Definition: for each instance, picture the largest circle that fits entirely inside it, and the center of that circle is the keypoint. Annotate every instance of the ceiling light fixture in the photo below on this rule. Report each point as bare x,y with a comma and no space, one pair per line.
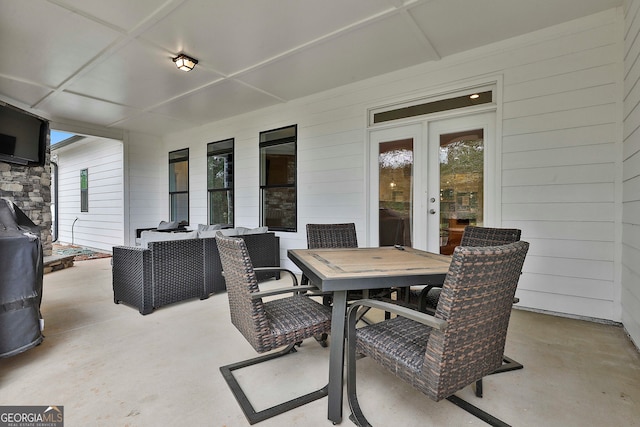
475,96
185,63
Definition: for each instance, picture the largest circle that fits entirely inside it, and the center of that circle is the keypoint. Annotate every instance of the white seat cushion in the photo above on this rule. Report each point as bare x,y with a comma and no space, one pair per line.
155,236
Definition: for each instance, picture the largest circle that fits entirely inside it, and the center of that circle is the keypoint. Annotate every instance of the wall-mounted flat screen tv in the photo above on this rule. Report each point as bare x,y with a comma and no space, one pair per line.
23,137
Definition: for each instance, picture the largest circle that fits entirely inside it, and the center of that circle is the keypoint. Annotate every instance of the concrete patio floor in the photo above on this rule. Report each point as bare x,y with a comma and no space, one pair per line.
110,366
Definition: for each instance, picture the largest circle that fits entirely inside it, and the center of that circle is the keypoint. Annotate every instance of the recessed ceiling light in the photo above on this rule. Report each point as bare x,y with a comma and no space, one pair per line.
474,96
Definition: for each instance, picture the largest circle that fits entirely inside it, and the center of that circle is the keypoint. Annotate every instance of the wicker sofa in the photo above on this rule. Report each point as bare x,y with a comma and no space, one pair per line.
177,270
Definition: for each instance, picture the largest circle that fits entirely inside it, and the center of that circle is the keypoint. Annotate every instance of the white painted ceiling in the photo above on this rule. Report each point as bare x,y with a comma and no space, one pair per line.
108,63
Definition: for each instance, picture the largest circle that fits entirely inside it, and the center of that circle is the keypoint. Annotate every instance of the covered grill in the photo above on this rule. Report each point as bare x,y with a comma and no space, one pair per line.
21,269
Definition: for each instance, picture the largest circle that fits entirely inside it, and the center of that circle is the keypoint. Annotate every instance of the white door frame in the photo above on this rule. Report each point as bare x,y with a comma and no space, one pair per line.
427,187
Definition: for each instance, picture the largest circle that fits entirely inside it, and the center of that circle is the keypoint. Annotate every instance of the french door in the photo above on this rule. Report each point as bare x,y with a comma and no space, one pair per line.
429,180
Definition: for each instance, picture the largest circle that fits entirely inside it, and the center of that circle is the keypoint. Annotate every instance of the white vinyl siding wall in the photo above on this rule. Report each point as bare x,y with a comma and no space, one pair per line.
147,183
102,226
631,174
560,144
560,157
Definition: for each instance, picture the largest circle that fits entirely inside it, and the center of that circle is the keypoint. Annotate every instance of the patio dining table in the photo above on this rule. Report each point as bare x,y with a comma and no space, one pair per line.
342,270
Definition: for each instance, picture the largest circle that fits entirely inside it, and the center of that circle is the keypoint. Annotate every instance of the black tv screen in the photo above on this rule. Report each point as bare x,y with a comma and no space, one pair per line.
23,137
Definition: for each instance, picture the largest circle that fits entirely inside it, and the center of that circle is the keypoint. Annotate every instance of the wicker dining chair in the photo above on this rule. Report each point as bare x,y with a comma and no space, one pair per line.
268,325
333,236
427,297
457,346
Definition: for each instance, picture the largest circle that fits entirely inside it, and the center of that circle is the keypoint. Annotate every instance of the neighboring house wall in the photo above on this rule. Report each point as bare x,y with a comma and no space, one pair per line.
559,123
102,226
631,174
147,181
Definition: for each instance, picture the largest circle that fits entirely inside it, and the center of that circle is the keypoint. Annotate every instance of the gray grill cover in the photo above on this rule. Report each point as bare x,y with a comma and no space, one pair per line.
21,268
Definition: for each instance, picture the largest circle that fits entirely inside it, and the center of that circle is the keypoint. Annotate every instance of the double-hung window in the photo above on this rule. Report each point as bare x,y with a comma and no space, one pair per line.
179,186
220,181
278,199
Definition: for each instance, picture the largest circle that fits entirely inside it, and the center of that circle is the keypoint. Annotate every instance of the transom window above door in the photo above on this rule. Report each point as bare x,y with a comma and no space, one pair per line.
466,99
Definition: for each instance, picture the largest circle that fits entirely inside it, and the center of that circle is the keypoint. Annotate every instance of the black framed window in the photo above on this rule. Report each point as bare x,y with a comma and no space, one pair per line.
179,186
84,190
278,195
220,181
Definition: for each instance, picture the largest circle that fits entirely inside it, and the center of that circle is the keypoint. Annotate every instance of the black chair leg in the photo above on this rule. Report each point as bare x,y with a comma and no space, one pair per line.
327,300
479,388
357,417
322,339
508,364
251,414
477,412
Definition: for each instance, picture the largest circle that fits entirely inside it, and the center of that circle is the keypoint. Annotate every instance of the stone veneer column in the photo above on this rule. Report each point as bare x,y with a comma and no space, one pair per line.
30,189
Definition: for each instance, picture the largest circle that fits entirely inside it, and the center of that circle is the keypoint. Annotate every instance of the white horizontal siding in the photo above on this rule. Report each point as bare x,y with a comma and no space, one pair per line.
560,138
580,287
102,227
595,173
558,193
559,124
596,250
569,212
569,304
565,230
560,154
147,176
578,79
571,267
631,175
566,119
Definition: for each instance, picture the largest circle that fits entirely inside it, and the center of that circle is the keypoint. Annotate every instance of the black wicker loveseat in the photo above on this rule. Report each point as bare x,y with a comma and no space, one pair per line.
177,270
